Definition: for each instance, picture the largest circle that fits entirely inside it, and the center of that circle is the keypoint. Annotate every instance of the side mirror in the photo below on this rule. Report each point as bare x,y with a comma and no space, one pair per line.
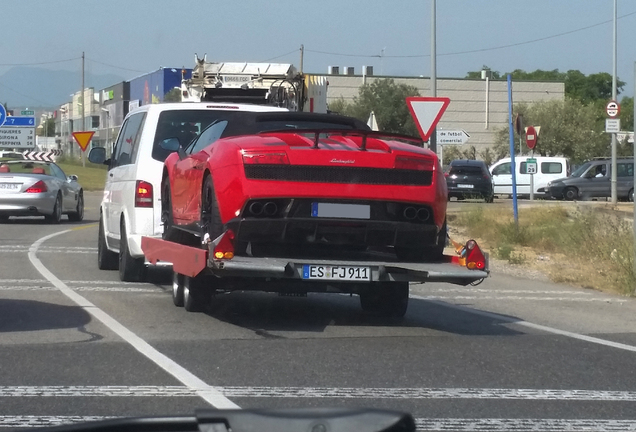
97,155
72,178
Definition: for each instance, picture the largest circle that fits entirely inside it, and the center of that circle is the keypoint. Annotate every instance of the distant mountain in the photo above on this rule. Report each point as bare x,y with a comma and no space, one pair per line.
37,87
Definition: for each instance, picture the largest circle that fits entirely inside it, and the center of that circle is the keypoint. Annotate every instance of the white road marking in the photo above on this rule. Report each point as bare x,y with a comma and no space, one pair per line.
48,249
527,324
209,393
422,424
323,393
528,298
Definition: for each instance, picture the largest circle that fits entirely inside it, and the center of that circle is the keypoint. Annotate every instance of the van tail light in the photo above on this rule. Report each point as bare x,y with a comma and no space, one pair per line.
412,163
143,194
265,158
38,187
224,246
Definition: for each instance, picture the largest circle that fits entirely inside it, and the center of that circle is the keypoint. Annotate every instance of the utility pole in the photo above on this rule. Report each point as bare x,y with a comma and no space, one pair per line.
83,128
432,142
614,163
302,54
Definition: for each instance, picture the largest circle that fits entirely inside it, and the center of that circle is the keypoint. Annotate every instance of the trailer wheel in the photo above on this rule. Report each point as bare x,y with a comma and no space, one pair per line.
194,299
177,289
387,299
210,215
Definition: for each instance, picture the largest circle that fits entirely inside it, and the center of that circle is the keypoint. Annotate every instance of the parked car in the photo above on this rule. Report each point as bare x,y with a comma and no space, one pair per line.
468,179
34,188
593,180
131,207
548,169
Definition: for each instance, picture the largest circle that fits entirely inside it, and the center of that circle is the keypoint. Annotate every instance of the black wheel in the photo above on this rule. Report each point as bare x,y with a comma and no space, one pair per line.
570,194
429,254
489,199
210,216
106,259
130,269
78,214
387,299
630,195
56,216
177,289
194,294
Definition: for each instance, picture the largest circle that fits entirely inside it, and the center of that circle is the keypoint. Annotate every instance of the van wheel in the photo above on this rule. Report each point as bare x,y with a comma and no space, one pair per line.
106,259
570,194
630,195
130,269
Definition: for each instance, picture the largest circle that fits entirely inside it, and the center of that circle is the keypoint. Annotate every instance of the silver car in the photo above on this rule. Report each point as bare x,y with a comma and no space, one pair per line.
32,188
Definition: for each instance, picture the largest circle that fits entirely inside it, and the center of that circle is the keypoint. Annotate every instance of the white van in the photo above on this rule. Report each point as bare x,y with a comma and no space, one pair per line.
548,169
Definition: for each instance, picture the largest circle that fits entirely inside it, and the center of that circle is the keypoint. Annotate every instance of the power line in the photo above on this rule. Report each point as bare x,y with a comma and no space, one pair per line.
282,55
471,51
116,67
23,95
40,63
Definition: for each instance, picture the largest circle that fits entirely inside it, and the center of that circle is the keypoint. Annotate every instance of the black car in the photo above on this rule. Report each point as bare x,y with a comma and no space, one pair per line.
469,179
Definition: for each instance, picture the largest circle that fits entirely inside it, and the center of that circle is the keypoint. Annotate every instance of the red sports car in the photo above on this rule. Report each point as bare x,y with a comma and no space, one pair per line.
304,182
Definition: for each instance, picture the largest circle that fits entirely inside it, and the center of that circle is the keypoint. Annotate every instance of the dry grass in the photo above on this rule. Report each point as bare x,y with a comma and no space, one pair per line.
578,246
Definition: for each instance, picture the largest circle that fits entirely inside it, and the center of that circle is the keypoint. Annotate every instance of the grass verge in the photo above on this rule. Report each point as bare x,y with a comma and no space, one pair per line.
583,246
92,177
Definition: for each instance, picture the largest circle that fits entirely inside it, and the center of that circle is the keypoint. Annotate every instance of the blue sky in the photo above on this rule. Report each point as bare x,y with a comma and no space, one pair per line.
132,37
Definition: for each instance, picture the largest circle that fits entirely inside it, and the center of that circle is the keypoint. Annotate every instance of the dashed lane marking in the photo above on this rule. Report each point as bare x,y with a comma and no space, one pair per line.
209,393
323,393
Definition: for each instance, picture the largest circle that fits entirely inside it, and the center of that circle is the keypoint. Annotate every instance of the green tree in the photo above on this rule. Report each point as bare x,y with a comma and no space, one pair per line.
387,100
49,127
569,128
173,95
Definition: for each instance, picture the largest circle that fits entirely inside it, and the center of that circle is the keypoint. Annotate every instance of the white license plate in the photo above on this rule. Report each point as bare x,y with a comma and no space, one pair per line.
336,273
334,210
10,186
465,186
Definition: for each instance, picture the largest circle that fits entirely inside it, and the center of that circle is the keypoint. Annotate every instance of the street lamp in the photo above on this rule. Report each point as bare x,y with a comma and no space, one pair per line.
486,74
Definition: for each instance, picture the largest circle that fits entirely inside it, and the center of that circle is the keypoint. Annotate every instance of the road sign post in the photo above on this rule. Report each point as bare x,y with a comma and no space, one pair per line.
613,126
531,168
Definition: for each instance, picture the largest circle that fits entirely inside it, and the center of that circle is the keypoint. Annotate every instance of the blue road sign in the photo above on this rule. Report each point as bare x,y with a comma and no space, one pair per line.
3,114
19,121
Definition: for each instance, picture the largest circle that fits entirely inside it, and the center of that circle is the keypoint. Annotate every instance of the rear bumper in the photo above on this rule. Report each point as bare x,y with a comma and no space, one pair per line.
27,204
482,191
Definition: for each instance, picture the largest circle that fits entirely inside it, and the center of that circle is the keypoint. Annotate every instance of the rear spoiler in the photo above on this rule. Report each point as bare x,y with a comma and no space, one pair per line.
348,132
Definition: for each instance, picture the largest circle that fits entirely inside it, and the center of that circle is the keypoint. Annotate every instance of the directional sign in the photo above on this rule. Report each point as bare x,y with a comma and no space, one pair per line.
613,108
426,112
445,137
15,121
17,137
83,138
3,114
27,113
531,137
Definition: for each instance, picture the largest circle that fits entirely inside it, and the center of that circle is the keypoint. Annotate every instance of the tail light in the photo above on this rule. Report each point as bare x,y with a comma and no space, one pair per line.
39,187
143,194
475,259
265,158
224,248
413,163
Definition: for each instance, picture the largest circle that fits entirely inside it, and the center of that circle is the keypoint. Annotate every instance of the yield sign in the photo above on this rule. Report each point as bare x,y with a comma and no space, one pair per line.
83,138
426,112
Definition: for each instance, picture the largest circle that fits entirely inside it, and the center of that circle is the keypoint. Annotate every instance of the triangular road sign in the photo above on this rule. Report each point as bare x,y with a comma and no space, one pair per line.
426,112
83,138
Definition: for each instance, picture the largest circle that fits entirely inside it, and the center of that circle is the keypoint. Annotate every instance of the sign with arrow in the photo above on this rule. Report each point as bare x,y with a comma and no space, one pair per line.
83,138
445,137
427,111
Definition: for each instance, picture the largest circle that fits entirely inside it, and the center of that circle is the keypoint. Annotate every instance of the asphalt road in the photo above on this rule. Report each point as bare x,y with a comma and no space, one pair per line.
510,354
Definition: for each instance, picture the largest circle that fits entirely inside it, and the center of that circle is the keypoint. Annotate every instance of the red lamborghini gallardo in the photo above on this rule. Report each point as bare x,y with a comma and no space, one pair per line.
305,182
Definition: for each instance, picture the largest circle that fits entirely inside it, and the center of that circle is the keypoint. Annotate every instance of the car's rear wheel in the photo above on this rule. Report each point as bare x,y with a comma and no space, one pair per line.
106,259
56,216
78,214
570,193
177,289
388,299
169,231
210,215
130,269
489,199
430,254
194,294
